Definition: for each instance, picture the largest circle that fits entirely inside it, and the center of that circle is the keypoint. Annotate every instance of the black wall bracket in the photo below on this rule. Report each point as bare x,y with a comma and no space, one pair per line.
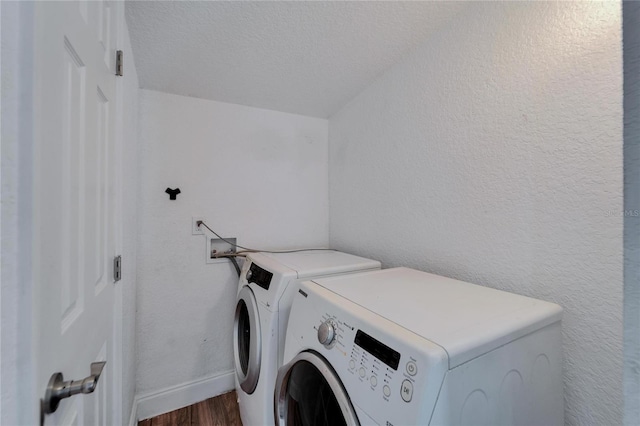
173,193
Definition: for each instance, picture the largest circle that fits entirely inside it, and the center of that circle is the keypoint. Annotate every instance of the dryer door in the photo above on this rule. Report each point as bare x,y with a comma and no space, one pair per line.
247,344
308,392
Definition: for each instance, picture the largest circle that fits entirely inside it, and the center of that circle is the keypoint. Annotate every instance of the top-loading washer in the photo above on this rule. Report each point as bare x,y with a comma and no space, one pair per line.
265,291
404,347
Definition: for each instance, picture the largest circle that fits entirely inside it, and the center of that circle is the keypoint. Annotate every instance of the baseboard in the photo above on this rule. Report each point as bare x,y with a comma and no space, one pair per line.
163,401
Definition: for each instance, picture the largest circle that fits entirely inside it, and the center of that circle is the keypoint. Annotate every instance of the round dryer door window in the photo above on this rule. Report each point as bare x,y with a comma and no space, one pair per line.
309,393
247,343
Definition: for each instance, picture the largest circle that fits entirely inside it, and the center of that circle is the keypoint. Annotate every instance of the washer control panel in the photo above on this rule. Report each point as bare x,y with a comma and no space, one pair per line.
376,365
380,366
388,371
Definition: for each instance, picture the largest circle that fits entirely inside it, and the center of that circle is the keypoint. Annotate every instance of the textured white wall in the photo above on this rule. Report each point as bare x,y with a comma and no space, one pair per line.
493,154
129,177
257,175
631,20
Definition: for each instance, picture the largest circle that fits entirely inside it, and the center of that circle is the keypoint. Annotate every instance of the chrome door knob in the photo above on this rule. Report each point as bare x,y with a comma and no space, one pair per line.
326,333
58,389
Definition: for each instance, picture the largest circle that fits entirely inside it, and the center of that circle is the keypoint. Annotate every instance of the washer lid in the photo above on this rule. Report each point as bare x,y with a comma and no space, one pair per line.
467,320
321,263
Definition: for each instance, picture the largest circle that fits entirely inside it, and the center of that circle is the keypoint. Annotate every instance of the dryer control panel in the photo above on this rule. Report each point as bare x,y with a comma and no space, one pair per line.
260,276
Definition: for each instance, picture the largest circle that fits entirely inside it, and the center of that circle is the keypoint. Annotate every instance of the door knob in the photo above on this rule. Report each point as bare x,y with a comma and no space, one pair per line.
58,389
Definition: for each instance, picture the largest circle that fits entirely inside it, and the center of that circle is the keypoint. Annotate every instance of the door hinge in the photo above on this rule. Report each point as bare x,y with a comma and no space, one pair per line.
117,268
119,63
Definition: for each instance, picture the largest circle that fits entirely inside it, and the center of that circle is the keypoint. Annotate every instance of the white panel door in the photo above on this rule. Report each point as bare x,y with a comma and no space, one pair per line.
74,203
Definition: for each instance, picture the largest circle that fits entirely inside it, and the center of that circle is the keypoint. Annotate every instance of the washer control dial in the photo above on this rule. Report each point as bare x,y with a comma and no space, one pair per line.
327,333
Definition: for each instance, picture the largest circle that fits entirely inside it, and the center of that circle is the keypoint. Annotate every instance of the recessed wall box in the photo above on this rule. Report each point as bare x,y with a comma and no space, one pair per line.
218,246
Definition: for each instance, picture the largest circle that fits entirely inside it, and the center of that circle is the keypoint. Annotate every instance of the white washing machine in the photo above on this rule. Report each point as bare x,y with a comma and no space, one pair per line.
265,291
404,347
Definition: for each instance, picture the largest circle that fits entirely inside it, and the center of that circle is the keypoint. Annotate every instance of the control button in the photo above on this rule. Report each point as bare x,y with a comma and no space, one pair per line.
406,391
386,390
362,372
374,381
352,364
412,368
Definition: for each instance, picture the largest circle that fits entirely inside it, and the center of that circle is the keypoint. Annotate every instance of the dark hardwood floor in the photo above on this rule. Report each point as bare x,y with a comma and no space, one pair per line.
219,411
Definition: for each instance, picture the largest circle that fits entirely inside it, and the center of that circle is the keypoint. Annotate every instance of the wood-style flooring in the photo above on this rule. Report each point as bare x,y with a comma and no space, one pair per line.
219,411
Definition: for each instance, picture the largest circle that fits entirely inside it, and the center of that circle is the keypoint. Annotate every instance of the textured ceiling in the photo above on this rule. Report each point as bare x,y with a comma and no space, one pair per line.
302,57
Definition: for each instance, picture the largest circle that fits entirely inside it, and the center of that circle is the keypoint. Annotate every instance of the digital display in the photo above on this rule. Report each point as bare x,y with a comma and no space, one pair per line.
259,276
378,349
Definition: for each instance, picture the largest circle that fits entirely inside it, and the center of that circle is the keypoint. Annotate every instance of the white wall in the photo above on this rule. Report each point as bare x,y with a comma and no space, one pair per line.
129,182
257,175
493,154
631,18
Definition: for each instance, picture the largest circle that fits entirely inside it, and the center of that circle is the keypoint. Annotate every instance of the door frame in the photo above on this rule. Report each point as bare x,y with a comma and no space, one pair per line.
17,33
118,327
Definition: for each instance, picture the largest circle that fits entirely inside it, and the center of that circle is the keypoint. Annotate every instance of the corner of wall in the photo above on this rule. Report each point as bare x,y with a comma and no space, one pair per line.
631,55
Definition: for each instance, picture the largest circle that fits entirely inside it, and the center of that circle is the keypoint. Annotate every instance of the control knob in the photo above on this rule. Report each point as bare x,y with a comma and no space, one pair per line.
327,333
249,274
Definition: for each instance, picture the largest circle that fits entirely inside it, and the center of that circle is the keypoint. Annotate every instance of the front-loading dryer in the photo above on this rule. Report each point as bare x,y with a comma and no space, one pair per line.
404,347
265,291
